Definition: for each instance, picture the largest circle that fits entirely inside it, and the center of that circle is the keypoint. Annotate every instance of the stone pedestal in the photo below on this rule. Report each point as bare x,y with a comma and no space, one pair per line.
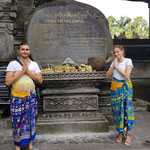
71,105
70,29
70,99
72,122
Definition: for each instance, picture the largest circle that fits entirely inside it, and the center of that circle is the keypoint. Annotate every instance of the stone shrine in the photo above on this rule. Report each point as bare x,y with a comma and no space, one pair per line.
69,29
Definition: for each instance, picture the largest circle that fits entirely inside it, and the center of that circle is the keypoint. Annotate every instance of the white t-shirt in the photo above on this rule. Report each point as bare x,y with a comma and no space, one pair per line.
25,83
122,66
15,66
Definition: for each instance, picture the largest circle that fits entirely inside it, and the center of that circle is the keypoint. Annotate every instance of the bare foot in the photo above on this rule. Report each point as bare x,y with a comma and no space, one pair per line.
17,148
30,146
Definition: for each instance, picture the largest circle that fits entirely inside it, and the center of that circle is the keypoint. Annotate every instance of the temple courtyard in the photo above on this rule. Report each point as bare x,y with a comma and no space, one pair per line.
99,141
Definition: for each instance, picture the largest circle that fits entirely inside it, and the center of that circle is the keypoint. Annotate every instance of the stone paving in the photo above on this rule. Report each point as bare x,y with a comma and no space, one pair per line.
101,141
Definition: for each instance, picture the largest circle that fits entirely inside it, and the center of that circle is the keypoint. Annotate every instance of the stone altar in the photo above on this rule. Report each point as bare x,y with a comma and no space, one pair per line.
69,29
71,104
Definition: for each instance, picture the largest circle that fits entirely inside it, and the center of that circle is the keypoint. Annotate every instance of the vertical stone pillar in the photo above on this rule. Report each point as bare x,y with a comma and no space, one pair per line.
7,18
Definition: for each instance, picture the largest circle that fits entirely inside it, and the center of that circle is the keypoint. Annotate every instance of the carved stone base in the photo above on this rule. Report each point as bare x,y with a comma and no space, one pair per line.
56,100
71,116
70,103
72,109
75,122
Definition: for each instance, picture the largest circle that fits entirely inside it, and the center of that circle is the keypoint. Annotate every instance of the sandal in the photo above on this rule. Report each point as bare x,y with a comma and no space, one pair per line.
128,140
120,138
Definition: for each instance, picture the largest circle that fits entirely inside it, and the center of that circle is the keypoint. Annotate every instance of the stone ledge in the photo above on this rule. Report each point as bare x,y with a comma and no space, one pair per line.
70,91
72,127
140,105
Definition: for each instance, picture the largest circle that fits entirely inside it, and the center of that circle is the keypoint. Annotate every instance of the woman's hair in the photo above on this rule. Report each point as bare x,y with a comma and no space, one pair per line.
120,47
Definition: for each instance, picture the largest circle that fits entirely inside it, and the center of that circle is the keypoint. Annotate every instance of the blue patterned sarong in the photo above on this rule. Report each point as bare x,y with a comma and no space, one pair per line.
23,116
121,90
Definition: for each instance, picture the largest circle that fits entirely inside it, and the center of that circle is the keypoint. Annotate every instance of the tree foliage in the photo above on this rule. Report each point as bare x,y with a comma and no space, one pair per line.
138,27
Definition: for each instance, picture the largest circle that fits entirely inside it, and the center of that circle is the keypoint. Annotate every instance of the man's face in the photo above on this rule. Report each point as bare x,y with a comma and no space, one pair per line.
24,51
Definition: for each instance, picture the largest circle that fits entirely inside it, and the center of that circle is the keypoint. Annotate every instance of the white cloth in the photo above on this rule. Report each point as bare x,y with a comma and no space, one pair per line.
15,66
122,66
24,83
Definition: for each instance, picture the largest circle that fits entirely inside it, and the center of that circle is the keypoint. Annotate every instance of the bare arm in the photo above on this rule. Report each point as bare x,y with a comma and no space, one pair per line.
35,76
109,72
111,69
10,78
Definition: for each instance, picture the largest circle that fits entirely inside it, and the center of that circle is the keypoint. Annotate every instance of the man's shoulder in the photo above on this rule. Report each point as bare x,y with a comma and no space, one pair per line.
34,64
13,62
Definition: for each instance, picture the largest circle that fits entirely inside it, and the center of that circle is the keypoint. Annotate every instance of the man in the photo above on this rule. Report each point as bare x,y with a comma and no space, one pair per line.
23,104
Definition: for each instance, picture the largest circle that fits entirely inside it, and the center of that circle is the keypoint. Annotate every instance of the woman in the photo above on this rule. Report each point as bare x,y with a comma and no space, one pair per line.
121,93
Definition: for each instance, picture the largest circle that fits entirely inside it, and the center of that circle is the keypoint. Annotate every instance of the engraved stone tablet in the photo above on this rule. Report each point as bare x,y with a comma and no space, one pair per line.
70,30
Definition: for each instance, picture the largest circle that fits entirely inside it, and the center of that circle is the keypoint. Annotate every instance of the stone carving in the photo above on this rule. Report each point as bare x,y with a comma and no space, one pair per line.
72,116
74,75
104,101
4,90
68,61
5,3
75,102
97,63
71,31
71,83
7,17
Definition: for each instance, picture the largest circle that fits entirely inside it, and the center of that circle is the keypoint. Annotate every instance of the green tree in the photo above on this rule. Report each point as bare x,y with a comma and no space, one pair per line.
140,26
123,22
136,28
113,27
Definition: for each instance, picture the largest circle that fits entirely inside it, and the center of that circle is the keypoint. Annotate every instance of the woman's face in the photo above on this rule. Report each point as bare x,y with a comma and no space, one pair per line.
118,53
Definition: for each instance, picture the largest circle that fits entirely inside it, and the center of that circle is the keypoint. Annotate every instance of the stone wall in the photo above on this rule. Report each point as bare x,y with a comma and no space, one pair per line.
7,19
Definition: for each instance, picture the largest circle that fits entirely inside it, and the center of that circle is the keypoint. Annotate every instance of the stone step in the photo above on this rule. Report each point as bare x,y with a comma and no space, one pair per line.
140,105
104,93
57,124
88,126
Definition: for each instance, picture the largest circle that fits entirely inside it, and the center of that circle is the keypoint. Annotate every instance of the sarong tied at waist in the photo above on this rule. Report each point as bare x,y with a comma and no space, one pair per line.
121,90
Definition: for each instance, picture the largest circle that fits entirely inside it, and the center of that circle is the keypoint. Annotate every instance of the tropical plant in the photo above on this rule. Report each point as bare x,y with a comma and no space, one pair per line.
138,28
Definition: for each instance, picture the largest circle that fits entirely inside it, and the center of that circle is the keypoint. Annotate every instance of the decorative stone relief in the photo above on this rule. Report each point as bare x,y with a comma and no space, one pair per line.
72,116
71,103
7,18
78,75
104,101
